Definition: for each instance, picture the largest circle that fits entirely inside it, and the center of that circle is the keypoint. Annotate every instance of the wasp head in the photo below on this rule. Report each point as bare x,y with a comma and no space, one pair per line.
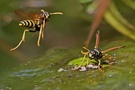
95,54
44,15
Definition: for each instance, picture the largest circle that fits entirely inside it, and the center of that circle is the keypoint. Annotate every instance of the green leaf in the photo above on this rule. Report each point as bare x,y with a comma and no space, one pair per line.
78,61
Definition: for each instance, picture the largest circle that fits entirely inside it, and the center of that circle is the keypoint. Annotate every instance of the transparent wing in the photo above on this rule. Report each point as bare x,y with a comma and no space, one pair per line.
113,48
97,39
26,15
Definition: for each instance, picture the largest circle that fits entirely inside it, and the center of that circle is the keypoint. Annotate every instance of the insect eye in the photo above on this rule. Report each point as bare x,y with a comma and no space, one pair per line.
46,13
92,52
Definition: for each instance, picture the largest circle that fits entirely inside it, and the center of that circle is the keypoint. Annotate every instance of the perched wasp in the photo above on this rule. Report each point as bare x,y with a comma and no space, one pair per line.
97,53
35,23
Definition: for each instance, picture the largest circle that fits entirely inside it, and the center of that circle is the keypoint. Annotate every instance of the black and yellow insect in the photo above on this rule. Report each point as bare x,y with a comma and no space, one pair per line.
35,23
97,53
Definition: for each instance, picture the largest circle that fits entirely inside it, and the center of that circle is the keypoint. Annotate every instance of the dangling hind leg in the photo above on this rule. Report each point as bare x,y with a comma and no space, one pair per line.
23,37
22,40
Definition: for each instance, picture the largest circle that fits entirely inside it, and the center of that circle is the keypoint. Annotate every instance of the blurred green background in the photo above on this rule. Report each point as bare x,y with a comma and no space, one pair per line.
69,30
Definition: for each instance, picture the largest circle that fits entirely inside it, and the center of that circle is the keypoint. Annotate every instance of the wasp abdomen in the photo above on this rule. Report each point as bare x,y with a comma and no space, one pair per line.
27,23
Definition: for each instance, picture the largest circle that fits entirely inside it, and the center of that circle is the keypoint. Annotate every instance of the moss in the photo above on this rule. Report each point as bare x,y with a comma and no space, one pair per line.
41,73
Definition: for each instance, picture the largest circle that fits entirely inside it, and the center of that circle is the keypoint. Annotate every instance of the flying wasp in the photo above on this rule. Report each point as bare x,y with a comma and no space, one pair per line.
34,23
97,53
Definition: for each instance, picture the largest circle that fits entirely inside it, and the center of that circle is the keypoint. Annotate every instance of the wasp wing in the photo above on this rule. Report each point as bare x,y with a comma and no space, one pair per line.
26,15
113,48
97,39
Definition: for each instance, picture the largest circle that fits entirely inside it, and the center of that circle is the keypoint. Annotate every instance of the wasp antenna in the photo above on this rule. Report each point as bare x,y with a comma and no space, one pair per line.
56,13
85,53
86,49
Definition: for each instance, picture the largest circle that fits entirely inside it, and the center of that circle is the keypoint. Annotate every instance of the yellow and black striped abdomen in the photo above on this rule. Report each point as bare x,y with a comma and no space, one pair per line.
27,23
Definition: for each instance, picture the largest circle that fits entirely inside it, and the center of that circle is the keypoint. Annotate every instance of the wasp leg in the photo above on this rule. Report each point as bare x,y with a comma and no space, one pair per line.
23,37
99,66
43,34
40,34
84,57
85,54
22,40
106,56
110,59
16,46
44,23
86,49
